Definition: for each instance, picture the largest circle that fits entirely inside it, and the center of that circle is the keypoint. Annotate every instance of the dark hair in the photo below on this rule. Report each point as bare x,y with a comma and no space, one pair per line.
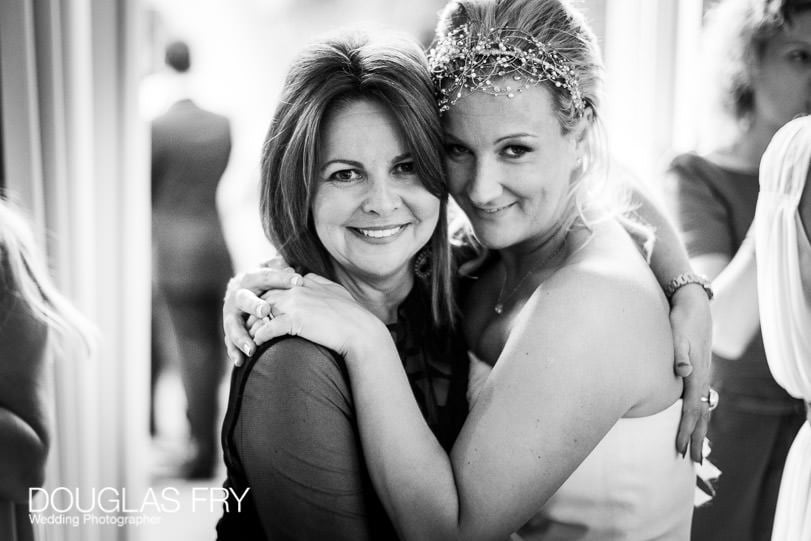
339,69
737,34
178,56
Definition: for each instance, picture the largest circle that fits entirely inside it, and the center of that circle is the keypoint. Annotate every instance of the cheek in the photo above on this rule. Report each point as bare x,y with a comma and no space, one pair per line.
425,208
784,89
457,175
330,211
320,211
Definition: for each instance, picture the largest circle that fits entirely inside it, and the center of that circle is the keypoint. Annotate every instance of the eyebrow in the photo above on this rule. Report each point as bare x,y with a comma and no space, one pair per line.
514,135
500,139
788,39
359,165
353,163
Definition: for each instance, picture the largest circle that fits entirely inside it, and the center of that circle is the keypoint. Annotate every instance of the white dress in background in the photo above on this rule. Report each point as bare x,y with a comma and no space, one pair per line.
785,314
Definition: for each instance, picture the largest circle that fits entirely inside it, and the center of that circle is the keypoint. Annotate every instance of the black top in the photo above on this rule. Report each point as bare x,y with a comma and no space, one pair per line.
291,434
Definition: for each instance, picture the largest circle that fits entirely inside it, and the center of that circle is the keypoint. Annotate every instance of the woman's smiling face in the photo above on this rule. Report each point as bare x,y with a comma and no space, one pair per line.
509,165
371,210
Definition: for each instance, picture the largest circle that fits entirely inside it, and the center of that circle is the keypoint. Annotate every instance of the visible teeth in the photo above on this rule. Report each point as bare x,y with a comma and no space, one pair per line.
381,233
493,211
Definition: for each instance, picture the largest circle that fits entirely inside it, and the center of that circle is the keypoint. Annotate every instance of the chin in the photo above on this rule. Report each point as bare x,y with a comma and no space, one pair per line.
380,269
492,239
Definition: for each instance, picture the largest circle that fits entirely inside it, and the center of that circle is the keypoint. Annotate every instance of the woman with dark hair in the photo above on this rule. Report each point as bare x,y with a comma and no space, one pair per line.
760,53
352,189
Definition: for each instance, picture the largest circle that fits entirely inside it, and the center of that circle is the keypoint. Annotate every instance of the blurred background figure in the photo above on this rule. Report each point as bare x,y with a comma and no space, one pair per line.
782,232
30,307
190,151
761,50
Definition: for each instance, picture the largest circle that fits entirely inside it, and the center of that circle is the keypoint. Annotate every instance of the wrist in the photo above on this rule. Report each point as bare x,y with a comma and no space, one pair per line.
688,281
689,293
369,340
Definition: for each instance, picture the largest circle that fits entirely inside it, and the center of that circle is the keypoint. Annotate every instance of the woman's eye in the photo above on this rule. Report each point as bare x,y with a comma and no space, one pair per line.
404,168
800,56
455,151
515,151
345,175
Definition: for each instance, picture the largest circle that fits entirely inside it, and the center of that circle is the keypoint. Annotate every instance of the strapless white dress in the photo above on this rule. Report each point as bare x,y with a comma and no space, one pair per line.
633,486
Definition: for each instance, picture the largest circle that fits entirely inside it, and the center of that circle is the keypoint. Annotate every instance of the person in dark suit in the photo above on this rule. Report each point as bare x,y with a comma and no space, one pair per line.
190,151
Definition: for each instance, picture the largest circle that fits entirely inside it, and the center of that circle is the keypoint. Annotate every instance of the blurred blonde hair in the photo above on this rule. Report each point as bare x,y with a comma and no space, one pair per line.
31,281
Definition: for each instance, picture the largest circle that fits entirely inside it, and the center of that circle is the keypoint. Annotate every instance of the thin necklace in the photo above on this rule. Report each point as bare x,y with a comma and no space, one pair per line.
499,307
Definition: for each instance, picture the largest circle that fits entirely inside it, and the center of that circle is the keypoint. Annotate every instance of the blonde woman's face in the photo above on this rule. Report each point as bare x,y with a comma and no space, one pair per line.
509,165
782,81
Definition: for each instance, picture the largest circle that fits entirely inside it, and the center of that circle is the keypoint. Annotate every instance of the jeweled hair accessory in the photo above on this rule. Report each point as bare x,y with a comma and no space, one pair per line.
466,60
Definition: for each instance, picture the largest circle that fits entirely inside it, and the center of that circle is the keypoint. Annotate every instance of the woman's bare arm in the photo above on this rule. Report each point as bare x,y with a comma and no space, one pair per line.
692,324
554,393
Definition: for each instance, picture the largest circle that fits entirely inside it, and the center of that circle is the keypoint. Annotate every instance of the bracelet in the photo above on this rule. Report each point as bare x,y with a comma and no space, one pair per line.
688,278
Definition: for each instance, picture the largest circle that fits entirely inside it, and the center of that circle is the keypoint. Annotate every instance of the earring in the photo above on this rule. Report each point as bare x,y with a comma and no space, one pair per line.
422,264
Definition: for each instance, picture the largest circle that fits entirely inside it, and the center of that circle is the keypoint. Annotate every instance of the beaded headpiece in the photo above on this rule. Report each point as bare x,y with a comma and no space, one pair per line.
464,60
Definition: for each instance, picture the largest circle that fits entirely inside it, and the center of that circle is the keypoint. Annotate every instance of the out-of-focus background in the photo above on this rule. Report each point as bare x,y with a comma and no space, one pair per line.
80,81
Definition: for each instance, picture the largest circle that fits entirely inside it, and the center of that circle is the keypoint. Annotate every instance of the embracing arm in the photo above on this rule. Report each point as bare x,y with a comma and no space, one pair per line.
242,299
691,322
704,222
550,399
23,399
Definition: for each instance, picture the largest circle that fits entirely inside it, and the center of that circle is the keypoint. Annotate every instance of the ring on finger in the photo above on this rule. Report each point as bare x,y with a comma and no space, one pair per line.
711,399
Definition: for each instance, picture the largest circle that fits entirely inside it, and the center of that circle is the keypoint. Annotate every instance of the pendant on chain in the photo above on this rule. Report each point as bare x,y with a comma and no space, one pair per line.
498,308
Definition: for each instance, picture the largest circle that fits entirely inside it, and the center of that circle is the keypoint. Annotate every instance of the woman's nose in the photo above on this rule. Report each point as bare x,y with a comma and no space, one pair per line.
484,185
382,197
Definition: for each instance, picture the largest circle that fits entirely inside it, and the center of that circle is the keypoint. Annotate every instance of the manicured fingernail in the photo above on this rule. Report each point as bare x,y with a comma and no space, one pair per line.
261,310
288,269
248,349
296,280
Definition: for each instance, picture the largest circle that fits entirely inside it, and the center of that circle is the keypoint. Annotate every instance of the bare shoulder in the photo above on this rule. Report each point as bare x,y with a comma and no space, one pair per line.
605,305
607,274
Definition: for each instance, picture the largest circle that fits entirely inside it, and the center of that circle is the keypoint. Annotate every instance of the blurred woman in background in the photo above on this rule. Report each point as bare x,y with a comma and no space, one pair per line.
30,308
763,51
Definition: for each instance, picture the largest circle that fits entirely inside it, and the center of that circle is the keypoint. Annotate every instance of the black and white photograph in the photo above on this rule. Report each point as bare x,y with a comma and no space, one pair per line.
508,270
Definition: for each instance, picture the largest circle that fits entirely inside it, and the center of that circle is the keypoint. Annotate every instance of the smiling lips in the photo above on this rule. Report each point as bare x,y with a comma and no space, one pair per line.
380,232
492,210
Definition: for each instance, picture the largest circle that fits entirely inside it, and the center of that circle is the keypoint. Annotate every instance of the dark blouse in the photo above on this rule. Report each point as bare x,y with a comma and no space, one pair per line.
291,434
